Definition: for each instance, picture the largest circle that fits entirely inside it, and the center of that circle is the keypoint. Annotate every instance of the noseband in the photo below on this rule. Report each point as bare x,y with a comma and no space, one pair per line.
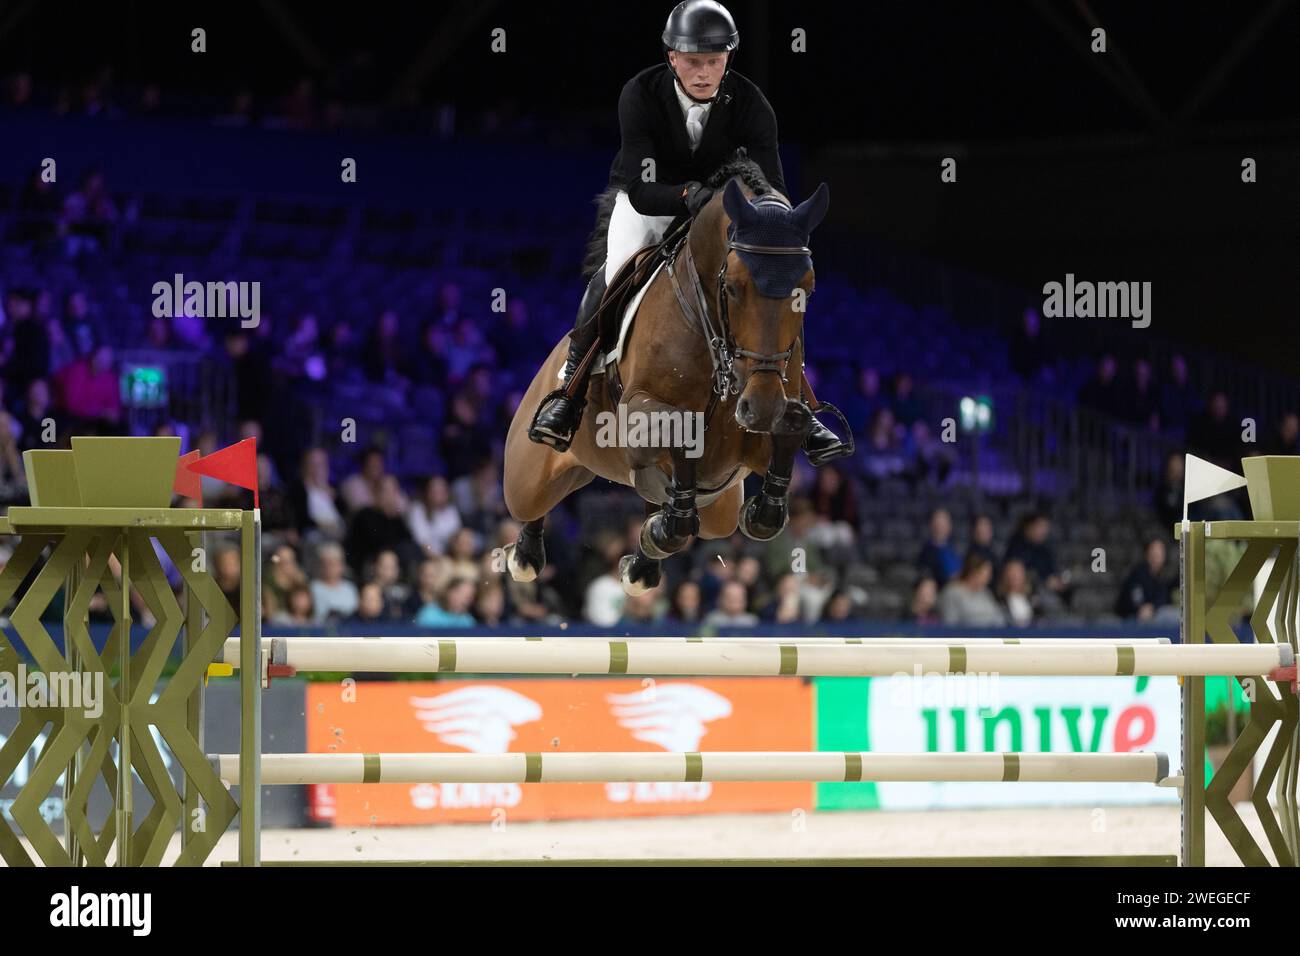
723,350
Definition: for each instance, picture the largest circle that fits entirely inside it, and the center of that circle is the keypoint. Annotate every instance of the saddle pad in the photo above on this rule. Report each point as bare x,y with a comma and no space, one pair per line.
624,327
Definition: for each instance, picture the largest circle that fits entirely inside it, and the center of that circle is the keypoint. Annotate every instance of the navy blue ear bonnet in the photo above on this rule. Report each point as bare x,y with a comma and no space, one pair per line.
774,275
768,221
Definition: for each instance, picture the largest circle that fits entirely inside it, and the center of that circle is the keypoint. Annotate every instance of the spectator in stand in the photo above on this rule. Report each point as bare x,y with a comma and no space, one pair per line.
1147,587
466,349
462,553
448,305
924,607
1177,402
862,407
1013,594
1029,352
341,353
1140,402
786,603
932,459
839,608
39,208
370,607
283,573
27,341
36,410
431,577
733,608
80,316
62,353
800,533
302,355
1168,493
882,453
836,504
386,571
966,600
490,605
361,490
298,610
1215,436
159,336
381,527
981,539
506,336
685,605
639,610
1287,439
938,558
89,215
430,365
386,356
1101,392
334,596
478,497
315,502
905,405
432,517
13,476
226,571
604,598
1029,546
89,391
462,434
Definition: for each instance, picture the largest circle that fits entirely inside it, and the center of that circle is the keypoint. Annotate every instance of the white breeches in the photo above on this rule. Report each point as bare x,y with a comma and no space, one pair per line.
628,232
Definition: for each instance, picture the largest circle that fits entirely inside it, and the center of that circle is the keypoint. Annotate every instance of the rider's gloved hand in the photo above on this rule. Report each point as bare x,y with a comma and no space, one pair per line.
696,195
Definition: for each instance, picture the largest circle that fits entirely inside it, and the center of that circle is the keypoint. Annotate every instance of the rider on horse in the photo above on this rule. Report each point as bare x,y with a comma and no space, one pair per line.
680,120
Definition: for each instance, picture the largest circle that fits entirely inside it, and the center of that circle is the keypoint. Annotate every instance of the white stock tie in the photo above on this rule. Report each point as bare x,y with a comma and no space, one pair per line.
695,124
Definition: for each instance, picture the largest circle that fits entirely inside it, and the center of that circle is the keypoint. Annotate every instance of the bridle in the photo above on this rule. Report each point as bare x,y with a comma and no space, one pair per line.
723,350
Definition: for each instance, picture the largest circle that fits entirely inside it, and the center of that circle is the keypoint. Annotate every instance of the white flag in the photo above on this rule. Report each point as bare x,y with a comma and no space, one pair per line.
1204,479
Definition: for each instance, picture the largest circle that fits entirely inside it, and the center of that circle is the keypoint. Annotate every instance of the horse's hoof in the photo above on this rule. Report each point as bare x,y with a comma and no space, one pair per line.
634,586
519,571
757,530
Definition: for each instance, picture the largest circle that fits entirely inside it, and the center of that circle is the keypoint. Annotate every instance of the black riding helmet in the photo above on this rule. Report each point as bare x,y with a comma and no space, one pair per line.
701,26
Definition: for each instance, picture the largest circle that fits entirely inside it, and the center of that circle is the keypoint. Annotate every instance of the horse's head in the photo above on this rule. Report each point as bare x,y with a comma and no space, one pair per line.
764,284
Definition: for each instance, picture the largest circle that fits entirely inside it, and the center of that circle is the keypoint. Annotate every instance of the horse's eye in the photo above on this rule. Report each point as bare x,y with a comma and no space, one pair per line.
732,292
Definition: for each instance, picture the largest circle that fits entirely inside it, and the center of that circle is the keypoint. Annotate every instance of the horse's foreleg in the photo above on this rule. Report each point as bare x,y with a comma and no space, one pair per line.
638,572
669,530
526,558
765,514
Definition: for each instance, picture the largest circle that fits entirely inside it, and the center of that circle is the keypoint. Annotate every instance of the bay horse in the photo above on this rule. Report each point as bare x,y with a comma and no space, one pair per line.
723,348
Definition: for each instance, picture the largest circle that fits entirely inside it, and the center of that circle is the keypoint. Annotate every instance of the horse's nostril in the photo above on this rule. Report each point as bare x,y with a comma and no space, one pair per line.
742,408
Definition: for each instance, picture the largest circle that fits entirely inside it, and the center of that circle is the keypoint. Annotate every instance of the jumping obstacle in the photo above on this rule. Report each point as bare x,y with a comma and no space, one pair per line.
106,501
756,658
742,766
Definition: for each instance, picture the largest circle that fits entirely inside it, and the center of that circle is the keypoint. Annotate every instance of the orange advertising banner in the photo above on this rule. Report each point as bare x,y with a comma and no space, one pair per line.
493,716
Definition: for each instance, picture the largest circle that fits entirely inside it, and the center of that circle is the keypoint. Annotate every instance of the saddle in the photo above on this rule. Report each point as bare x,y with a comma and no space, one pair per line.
628,281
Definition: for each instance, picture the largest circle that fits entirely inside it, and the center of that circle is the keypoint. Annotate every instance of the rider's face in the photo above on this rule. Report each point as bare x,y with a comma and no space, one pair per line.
699,73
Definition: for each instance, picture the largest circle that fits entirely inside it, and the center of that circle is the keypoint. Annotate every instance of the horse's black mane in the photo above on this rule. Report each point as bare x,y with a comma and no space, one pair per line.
737,166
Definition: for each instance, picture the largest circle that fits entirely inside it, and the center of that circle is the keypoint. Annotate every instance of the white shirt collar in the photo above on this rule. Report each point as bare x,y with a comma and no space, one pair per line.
686,102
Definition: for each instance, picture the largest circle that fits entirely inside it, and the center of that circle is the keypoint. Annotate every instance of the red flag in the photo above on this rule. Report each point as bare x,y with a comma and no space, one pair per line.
187,483
236,464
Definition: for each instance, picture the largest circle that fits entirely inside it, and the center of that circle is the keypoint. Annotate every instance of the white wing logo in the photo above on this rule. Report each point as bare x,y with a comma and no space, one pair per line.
480,718
674,716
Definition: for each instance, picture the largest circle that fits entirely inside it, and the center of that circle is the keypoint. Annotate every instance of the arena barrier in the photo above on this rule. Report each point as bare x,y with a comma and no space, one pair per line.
107,500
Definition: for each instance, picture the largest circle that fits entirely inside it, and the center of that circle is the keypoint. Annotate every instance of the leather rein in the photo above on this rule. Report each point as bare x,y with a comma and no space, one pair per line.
723,350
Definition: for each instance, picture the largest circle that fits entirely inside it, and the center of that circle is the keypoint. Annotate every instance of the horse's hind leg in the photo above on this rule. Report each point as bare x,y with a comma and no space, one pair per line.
638,572
526,558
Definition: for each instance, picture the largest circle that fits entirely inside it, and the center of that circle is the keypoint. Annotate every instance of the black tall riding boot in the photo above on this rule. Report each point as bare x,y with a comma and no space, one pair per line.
558,416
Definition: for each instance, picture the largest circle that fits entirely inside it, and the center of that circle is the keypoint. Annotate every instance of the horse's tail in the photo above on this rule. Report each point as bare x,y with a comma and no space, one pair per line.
596,244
